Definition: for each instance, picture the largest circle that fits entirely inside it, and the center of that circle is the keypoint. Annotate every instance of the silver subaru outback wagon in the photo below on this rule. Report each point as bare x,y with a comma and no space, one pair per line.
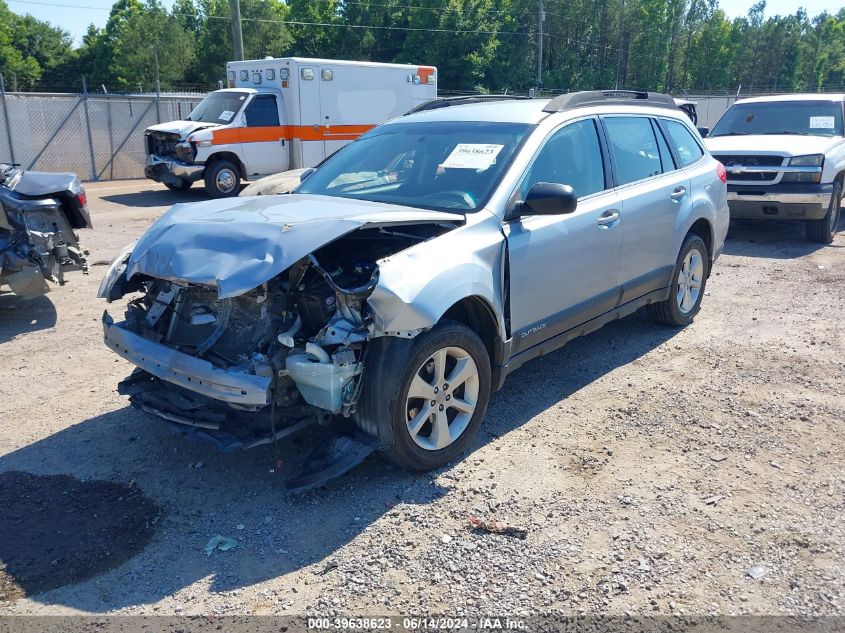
407,276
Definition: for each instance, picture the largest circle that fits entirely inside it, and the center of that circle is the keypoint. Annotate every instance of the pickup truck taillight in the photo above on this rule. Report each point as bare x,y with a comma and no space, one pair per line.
722,173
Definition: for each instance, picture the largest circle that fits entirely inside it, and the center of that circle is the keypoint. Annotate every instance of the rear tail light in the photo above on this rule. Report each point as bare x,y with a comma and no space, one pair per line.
81,198
722,173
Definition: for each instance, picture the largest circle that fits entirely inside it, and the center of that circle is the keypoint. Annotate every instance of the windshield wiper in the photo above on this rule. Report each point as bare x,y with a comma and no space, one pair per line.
732,134
787,132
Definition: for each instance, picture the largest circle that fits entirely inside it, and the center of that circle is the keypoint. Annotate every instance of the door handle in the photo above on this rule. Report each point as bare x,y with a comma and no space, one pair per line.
608,219
679,193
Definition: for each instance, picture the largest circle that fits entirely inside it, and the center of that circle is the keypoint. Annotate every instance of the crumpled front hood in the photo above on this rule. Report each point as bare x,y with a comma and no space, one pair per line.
182,128
781,144
236,244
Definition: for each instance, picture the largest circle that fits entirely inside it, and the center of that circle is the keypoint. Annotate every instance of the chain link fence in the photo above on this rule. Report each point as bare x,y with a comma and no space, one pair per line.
98,137
101,137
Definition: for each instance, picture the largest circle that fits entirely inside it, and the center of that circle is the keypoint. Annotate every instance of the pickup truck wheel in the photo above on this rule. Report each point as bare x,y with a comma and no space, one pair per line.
427,399
822,231
183,185
688,281
222,179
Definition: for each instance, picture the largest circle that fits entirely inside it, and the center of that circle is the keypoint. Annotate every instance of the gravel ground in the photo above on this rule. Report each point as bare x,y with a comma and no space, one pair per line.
656,471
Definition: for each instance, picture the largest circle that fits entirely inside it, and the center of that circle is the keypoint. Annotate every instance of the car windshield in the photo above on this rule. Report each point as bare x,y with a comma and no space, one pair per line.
218,107
816,118
452,165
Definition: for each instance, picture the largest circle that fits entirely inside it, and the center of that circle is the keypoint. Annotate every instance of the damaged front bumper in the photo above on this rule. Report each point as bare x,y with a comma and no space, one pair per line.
170,170
197,375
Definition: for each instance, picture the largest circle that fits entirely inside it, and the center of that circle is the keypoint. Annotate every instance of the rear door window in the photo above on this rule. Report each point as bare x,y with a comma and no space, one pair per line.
687,147
262,112
634,149
666,160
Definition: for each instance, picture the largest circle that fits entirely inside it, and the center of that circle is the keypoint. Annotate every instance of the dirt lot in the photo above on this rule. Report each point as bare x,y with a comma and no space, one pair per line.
655,470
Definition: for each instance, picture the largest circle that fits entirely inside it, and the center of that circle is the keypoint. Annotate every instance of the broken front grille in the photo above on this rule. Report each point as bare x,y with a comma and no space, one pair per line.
162,143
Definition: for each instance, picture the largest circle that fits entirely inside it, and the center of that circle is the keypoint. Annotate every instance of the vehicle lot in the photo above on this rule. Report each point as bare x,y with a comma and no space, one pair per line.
652,468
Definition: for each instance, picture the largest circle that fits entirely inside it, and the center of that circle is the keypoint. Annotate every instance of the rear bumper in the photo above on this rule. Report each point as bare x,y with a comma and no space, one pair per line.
170,170
786,202
189,372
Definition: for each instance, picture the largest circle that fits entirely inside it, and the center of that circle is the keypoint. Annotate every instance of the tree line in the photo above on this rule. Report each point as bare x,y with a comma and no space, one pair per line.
477,45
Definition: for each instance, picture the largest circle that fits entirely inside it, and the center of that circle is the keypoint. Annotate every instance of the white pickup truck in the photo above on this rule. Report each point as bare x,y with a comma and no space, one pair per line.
785,159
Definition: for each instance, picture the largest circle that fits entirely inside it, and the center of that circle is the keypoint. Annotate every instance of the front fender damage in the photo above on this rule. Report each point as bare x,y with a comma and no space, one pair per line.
417,286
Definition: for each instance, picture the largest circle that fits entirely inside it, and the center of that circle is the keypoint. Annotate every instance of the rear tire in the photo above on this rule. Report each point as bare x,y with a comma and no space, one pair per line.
403,379
222,179
689,279
822,231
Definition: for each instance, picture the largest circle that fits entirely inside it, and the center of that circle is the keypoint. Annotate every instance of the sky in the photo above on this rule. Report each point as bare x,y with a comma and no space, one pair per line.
76,15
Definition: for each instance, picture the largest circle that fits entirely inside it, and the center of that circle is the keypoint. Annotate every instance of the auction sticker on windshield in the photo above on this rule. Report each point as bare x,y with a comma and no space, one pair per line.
821,123
472,156
226,115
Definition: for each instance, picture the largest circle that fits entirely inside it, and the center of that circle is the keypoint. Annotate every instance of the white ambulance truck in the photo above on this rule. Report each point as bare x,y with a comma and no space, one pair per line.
280,114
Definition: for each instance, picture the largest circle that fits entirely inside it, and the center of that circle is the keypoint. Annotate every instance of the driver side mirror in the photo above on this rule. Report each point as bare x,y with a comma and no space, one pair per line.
304,175
547,198
704,131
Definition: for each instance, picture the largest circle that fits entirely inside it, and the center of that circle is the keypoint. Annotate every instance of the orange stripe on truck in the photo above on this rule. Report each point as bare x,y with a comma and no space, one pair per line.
288,132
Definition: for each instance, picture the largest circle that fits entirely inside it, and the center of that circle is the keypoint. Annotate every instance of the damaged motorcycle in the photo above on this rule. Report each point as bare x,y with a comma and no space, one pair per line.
40,213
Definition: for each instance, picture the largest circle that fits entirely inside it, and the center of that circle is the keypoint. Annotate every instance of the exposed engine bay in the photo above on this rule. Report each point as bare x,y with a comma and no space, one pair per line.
249,369
39,216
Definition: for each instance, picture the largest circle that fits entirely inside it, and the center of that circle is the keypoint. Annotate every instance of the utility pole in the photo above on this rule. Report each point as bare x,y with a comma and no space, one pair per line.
541,17
237,33
619,45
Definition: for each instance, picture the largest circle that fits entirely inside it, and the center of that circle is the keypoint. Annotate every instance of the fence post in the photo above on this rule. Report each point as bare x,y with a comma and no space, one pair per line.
6,118
88,128
111,137
158,100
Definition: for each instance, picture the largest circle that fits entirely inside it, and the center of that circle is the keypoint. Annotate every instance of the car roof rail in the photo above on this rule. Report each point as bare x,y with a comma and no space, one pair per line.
610,97
445,102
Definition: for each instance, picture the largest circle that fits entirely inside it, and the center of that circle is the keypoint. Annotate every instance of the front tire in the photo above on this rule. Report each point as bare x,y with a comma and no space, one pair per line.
688,282
222,179
822,231
425,398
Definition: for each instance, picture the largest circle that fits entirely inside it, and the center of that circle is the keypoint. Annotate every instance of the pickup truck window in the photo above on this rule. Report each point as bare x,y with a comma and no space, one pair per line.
810,118
447,166
218,107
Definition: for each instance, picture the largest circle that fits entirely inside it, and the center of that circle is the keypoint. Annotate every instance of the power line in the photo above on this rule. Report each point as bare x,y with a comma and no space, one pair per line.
54,4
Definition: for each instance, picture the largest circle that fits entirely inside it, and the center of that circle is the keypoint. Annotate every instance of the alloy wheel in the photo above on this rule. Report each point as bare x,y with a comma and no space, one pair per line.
690,278
442,398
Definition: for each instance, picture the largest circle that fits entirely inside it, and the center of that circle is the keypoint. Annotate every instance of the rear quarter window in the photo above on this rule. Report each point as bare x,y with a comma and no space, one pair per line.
687,148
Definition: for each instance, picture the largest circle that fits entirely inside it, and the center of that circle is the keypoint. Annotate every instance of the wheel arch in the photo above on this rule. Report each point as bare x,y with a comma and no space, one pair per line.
230,156
477,314
704,230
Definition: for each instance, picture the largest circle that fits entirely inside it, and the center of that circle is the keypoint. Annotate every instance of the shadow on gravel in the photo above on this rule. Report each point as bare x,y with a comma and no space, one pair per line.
18,316
241,495
778,239
545,381
158,197
58,530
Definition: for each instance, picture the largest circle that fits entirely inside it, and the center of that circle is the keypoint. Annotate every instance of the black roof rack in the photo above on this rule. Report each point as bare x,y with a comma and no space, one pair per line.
445,102
610,97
